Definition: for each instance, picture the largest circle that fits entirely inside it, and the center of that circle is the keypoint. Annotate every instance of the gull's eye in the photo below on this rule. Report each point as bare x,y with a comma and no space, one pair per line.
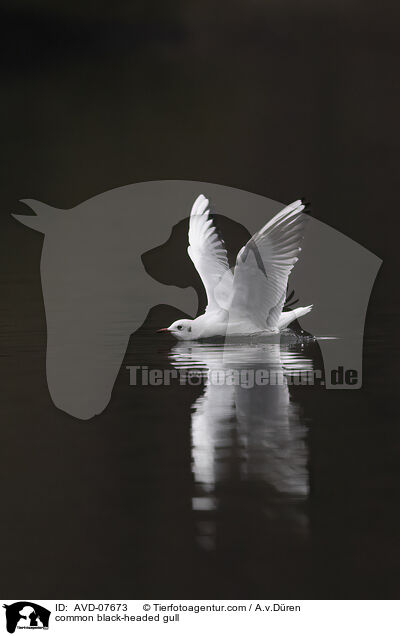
179,327
189,329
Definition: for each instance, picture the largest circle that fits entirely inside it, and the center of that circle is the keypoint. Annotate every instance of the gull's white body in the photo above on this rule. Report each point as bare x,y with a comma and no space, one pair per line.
250,299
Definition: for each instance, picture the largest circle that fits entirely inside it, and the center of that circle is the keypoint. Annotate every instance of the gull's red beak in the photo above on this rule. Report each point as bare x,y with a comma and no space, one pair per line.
163,329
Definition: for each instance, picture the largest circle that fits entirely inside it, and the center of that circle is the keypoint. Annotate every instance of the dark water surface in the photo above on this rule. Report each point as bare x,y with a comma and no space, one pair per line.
201,491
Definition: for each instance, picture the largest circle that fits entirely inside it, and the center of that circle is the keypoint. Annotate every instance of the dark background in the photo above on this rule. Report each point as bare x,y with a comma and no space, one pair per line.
284,99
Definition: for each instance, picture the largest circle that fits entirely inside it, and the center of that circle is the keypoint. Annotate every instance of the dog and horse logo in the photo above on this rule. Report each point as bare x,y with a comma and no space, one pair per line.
26,615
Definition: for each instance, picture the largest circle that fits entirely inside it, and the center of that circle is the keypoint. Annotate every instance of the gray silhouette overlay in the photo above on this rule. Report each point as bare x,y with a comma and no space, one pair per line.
97,292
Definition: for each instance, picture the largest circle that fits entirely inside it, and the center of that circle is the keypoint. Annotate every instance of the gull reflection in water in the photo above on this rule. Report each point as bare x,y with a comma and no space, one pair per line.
246,429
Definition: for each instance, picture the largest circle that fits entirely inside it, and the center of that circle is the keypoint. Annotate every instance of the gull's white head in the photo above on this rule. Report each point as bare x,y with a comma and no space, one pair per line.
181,329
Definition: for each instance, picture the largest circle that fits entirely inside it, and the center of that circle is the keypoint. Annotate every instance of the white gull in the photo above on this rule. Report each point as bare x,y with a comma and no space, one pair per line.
250,299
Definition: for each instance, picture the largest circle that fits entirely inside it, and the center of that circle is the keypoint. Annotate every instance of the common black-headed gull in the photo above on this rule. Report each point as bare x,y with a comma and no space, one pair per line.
250,299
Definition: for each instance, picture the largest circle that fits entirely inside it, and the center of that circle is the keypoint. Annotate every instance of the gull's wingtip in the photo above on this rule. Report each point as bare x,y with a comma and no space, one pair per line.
200,205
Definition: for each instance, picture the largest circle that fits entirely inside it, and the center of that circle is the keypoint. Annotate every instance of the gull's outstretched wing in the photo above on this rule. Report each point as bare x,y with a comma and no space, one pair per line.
209,256
262,269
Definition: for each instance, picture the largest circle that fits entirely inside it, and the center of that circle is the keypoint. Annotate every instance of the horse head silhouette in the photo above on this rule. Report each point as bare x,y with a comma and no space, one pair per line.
25,615
97,289
96,294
